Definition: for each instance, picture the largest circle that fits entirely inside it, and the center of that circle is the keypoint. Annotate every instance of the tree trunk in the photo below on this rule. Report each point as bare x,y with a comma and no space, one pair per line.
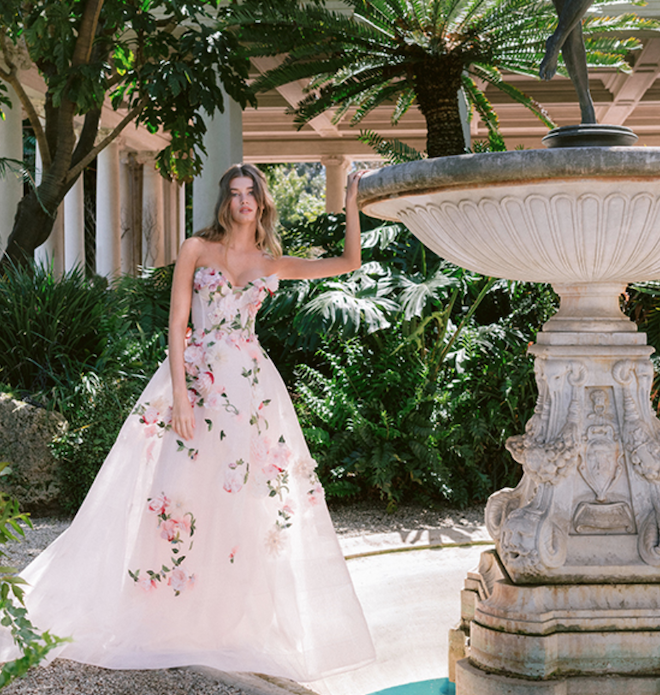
32,226
437,83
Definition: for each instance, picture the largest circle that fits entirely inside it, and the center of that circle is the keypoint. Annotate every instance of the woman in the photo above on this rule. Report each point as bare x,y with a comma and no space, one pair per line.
205,538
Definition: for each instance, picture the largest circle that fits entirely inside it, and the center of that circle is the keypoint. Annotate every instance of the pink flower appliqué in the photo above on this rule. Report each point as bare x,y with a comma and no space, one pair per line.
150,416
151,430
235,477
159,504
232,554
168,529
215,400
205,381
271,471
178,579
146,584
316,494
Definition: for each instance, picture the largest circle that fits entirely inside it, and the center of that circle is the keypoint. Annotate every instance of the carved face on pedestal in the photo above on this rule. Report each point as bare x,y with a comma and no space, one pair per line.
518,540
599,402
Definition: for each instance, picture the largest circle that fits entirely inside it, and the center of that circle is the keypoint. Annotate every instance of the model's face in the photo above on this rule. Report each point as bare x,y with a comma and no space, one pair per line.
243,205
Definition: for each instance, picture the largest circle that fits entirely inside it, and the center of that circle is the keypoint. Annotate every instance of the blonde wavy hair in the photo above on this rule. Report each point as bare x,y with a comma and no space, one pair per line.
266,237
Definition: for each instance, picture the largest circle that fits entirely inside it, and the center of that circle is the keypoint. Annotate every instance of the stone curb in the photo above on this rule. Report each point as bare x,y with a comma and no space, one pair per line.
382,543
254,684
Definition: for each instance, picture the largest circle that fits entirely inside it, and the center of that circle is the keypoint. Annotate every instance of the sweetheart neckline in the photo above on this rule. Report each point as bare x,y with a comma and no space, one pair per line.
234,287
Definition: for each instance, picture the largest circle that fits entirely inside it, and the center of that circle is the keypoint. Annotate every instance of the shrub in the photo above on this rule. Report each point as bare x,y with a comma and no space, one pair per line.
87,350
51,328
372,421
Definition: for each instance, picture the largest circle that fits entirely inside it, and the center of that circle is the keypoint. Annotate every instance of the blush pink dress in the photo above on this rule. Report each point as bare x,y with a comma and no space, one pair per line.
215,551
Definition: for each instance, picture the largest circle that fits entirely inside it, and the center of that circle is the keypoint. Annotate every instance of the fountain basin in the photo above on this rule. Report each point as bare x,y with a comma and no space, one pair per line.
578,215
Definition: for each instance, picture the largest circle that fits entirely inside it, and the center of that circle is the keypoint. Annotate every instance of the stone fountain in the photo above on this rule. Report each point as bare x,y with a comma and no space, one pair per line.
569,602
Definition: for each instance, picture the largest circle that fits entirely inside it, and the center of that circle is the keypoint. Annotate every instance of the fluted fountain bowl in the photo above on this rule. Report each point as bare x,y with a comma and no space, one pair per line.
575,215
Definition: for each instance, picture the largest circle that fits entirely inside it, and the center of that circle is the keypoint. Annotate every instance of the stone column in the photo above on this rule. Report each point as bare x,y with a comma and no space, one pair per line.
51,252
74,226
153,230
224,145
172,220
336,171
126,215
11,146
108,217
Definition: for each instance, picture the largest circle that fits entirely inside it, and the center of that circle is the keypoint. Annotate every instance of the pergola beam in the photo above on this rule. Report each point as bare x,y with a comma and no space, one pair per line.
293,93
629,91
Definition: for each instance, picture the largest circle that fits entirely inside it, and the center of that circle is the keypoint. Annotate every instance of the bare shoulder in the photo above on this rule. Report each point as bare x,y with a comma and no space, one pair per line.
193,246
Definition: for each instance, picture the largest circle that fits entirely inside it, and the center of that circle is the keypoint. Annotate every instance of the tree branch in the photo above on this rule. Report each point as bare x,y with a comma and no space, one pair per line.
115,80
88,134
11,78
87,32
89,157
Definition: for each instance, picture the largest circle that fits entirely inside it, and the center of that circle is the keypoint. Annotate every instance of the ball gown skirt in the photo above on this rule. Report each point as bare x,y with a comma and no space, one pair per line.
215,551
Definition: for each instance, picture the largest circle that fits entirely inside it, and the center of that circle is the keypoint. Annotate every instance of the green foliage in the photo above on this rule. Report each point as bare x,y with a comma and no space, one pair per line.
51,328
392,151
298,191
489,396
163,60
95,410
86,350
371,421
144,301
424,408
34,646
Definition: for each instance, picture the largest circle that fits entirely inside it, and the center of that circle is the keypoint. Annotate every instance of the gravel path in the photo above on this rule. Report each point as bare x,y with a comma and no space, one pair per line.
64,677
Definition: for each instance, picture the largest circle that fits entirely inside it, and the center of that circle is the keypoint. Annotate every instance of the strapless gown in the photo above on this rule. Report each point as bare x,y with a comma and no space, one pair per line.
215,551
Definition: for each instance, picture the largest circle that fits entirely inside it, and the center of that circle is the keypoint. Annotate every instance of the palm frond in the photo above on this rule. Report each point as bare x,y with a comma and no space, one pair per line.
494,78
483,107
392,151
376,96
404,102
344,94
620,22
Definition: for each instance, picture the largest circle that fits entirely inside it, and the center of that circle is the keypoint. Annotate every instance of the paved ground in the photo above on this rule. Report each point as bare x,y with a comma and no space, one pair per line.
408,570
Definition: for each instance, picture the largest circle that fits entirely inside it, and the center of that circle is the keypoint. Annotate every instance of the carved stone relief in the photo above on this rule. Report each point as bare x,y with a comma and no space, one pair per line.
601,465
530,541
591,459
641,438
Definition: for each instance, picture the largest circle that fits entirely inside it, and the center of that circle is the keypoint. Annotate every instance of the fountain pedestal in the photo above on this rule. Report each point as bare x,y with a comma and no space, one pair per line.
588,505
570,603
576,606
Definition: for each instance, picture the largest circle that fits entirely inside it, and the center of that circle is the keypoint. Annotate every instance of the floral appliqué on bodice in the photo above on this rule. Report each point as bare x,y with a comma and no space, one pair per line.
224,340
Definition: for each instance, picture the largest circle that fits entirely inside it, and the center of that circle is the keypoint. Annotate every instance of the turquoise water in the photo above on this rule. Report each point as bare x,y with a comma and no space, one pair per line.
440,686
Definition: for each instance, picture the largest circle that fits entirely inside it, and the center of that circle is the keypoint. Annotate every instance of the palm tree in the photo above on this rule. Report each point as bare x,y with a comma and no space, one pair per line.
419,52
